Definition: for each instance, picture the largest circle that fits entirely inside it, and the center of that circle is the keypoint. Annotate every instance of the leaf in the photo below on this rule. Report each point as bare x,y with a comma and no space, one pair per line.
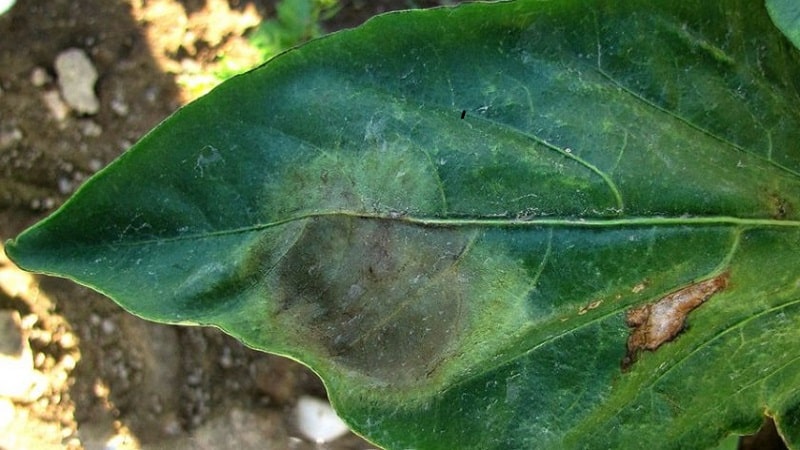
467,283
786,15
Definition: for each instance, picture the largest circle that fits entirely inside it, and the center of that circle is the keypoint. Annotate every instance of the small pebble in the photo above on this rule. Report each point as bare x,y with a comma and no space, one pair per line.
40,77
119,107
90,128
108,326
172,427
68,362
194,378
152,94
76,77
18,379
65,185
9,135
57,107
317,421
226,360
95,164
68,340
39,359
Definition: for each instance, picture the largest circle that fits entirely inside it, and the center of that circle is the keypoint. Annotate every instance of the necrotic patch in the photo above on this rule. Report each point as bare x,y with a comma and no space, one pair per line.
380,297
659,322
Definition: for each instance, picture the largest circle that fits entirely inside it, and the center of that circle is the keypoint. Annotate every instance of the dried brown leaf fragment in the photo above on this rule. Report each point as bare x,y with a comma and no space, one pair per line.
659,322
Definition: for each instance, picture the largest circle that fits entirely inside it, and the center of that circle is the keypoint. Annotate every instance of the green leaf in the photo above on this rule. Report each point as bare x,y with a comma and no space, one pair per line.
564,224
786,15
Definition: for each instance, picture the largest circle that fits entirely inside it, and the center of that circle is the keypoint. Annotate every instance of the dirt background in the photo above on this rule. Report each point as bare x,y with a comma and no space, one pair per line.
102,378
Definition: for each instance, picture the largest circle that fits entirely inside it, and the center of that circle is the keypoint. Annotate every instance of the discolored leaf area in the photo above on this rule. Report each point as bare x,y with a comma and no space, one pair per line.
469,220
657,323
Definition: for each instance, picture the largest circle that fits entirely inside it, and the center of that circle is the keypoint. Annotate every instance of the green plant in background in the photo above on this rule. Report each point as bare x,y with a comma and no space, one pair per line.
502,225
296,21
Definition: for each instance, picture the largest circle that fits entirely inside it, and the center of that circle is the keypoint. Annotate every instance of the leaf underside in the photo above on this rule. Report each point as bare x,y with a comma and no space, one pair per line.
459,217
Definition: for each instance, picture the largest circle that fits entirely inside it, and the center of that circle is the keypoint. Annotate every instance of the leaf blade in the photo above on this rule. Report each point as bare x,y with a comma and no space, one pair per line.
584,154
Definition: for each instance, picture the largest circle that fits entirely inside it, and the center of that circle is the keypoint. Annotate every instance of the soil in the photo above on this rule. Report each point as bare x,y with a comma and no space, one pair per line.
112,380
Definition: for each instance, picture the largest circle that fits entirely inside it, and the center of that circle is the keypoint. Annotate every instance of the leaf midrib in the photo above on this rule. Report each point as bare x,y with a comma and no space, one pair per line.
486,222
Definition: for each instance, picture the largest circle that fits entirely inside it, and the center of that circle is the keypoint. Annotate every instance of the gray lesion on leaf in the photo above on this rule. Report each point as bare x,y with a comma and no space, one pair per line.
206,158
656,323
379,297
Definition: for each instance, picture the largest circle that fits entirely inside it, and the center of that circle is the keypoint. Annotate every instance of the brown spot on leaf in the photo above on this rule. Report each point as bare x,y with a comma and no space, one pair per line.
656,323
781,207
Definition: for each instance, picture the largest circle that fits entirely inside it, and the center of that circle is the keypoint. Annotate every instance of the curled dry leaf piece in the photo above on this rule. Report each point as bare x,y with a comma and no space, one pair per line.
656,323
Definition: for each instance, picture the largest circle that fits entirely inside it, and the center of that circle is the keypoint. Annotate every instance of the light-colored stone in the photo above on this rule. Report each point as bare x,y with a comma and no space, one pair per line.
119,107
90,128
58,109
317,421
76,78
39,77
18,379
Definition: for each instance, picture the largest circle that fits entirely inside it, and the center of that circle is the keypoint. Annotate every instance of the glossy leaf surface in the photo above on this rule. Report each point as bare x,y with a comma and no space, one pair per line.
622,170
